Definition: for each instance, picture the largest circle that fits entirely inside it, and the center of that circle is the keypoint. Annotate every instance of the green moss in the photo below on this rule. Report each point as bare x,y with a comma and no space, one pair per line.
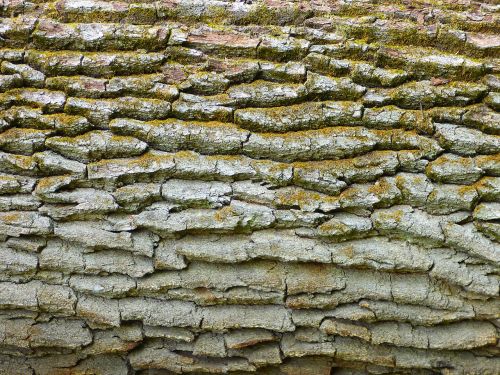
19,164
141,13
303,198
217,16
351,30
259,15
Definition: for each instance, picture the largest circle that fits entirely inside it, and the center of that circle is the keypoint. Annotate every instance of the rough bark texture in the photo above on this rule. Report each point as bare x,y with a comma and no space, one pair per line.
269,187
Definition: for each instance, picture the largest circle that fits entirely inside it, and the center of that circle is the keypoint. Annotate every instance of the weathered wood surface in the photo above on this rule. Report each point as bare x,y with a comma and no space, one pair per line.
269,187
